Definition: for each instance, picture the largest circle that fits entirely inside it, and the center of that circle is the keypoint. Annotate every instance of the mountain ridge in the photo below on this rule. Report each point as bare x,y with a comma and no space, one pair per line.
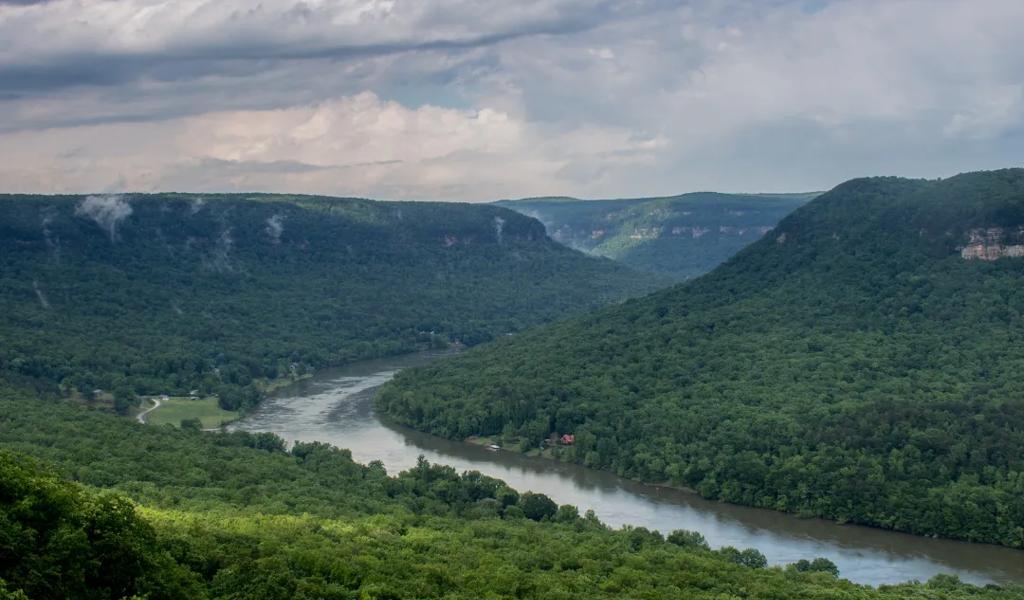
152,294
861,373
680,236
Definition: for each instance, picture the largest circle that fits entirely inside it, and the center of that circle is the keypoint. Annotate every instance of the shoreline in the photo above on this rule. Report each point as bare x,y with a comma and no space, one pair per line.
483,441
621,501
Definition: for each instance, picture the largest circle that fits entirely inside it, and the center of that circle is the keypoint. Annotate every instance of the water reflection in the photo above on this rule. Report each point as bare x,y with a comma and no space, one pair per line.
336,407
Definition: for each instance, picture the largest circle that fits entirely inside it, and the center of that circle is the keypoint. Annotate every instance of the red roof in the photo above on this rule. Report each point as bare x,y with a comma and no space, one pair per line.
568,438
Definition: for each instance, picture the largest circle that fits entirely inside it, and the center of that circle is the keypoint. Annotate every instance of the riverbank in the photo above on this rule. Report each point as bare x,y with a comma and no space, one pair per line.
174,410
269,386
551,452
556,452
336,407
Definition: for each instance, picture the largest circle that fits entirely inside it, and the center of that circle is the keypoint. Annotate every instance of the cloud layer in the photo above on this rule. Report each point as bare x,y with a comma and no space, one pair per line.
469,100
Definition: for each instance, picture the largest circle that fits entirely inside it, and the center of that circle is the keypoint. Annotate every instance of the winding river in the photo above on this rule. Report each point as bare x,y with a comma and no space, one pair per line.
337,407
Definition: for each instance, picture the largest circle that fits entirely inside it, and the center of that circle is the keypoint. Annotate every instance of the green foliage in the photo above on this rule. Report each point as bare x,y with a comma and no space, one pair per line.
193,423
219,293
687,539
183,296
852,366
237,516
537,507
124,400
818,565
58,541
7,594
680,236
750,558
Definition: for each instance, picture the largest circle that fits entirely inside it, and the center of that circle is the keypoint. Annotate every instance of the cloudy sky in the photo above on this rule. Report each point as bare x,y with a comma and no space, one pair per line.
479,100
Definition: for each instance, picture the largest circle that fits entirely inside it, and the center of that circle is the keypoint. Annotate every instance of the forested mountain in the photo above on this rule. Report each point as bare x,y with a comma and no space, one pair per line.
173,292
861,363
237,516
678,236
155,292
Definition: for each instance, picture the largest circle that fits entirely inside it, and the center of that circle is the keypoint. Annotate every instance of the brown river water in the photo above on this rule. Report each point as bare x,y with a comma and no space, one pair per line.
337,407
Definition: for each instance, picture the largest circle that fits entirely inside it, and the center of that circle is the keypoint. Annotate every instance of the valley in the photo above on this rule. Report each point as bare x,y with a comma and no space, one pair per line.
482,300
852,365
336,407
292,319
680,237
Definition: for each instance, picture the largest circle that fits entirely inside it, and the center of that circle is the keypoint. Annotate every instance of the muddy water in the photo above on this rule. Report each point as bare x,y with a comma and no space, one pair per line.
337,407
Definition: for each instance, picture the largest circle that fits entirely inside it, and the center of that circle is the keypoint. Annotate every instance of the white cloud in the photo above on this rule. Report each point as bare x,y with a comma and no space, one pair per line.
992,111
358,145
472,100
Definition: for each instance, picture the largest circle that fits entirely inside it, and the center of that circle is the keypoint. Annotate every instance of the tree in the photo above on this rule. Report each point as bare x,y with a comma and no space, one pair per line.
537,507
687,539
818,565
567,513
124,400
192,424
750,557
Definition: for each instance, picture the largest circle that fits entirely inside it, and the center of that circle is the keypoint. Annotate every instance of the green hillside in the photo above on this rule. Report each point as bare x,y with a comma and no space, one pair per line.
862,363
236,516
168,293
679,236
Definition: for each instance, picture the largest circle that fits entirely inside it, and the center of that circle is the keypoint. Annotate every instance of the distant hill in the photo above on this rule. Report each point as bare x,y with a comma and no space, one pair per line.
862,363
172,292
678,236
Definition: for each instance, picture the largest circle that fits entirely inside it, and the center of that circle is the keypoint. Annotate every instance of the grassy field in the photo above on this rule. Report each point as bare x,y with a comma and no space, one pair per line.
175,409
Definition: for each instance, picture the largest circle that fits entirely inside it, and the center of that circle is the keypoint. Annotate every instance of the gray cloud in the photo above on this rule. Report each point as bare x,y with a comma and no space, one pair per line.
461,99
272,31
196,56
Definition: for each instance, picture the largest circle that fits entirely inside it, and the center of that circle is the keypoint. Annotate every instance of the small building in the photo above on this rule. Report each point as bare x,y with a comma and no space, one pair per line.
568,439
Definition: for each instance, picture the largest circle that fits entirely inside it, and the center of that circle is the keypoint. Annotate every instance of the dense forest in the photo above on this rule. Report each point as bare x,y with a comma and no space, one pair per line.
167,293
95,506
680,237
861,363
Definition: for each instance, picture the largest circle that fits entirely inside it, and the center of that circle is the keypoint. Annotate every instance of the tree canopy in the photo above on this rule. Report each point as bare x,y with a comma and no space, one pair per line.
858,363
169,293
131,510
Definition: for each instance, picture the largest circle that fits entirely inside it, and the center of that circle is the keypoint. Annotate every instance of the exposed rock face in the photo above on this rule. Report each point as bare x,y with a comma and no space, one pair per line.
993,243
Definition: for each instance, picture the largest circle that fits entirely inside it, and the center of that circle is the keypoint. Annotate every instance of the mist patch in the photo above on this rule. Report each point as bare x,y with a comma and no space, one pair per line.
106,211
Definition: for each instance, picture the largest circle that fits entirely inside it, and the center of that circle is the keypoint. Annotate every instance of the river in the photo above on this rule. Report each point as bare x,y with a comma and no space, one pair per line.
337,407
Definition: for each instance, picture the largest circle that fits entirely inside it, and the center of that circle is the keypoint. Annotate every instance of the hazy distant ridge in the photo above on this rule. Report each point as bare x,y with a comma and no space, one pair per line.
678,236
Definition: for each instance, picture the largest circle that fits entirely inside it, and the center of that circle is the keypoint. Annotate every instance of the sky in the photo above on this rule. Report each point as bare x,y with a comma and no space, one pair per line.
476,100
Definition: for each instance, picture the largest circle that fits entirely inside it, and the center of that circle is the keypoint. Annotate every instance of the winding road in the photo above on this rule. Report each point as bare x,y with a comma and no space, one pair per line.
141,417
